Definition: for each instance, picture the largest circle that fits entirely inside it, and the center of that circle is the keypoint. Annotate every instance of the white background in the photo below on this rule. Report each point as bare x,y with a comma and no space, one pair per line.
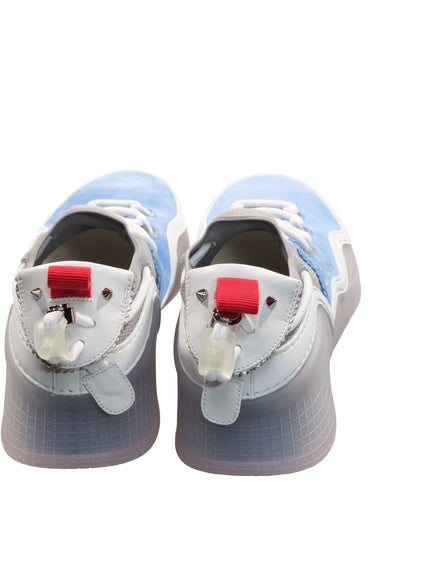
334,93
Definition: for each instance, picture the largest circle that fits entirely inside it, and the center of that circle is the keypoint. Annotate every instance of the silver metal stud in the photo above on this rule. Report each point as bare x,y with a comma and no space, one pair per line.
68,312
107,293
270,301
202,294
218,317
37,293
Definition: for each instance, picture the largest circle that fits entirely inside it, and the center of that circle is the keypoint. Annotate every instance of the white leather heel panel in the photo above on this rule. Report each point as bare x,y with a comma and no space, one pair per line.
287,361
271,324
109,315
126,354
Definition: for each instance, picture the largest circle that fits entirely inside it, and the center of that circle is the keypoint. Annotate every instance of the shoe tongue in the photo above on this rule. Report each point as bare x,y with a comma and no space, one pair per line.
239,220
248,214
100,292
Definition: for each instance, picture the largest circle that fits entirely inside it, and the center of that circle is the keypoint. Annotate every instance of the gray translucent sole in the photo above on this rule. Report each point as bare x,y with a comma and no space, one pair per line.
286,431
48,430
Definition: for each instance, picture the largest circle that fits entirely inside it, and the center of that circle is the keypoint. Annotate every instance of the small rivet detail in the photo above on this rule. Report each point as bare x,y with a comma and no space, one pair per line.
202,294
37,293
107,293
270,301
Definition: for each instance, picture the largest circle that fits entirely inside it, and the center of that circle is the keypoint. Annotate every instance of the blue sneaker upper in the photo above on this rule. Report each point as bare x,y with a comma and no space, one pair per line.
151,192
317,217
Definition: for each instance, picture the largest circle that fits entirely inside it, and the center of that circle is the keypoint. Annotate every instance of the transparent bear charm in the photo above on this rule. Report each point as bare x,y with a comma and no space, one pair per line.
50,337
216,361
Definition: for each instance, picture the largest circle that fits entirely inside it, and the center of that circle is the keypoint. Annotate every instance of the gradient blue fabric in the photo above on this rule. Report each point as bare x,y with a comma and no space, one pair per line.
151,192
317,217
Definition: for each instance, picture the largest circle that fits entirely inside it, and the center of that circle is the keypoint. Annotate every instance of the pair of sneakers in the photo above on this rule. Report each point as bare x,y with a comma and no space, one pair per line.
266,292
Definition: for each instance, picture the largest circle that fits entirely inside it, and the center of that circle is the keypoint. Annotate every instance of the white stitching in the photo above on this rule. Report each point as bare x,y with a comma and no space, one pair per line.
289,312
287,316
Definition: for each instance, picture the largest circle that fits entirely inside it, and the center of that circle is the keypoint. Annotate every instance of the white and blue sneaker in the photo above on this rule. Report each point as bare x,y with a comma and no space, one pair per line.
80,341
267,291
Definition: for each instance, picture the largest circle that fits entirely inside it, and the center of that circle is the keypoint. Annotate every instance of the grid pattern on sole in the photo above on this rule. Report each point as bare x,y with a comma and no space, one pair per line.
44,430
288,438
47,436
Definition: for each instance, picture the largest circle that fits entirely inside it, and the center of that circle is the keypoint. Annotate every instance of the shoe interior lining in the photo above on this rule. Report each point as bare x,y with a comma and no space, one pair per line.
87,238
252,242
255,248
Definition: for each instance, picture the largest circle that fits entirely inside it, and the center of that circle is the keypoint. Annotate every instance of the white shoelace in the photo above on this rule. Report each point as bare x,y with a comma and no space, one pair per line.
133,211
287,216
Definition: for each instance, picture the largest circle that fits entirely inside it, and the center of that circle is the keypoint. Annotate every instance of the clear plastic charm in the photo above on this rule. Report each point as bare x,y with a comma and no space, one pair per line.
216,361
50,337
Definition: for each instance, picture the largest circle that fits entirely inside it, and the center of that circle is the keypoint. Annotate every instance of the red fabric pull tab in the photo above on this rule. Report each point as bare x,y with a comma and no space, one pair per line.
237,295
67,281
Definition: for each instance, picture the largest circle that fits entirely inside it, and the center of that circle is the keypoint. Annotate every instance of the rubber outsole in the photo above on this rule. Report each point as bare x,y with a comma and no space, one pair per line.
46,430
289,430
